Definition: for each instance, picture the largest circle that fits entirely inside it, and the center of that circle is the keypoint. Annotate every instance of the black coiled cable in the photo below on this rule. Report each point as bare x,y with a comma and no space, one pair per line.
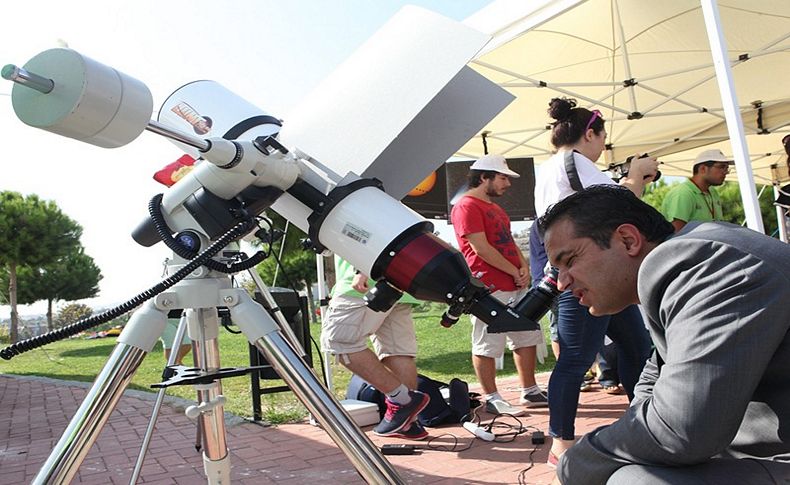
165,234
237,231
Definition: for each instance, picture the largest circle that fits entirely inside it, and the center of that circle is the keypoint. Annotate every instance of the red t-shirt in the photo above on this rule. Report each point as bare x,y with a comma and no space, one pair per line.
472,215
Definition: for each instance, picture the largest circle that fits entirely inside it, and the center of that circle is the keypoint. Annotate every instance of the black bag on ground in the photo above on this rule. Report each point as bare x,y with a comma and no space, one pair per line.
439,410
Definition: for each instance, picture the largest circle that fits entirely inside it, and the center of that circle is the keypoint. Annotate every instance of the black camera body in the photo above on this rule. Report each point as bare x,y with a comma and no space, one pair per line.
620,170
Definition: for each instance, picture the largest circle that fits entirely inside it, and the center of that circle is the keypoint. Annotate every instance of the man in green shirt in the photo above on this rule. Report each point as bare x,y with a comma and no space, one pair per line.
696,199
392,369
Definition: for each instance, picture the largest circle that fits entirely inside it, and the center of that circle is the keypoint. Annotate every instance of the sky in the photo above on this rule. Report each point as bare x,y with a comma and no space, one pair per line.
271,53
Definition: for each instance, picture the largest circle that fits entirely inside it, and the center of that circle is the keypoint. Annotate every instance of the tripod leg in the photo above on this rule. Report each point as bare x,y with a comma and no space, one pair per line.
279,318
211,423
136,340
198,438
261,330
198,430
160,396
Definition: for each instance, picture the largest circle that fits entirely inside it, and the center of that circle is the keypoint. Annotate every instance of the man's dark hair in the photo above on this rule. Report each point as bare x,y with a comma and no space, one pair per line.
475,177
599,209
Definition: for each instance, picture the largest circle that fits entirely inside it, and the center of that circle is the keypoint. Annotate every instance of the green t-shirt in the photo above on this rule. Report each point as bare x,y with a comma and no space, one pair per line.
344,278
685,201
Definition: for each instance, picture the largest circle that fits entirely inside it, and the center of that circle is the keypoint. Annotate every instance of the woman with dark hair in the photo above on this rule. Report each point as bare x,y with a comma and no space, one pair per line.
579,136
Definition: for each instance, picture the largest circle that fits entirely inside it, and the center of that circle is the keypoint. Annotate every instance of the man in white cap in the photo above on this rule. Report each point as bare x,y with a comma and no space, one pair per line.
482,229
696,199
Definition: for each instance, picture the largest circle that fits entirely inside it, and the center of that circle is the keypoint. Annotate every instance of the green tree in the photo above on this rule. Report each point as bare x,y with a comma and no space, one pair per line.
732,206
73,277
298,264
35,233
655,193
71,313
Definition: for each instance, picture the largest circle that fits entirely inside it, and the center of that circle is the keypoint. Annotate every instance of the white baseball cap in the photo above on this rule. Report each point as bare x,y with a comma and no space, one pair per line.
714,155
494,163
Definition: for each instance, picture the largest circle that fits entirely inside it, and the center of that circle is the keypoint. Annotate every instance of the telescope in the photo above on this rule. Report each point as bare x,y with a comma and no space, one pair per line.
244,168
241,177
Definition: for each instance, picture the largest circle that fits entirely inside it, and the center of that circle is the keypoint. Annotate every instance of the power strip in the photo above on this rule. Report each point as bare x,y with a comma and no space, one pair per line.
479,431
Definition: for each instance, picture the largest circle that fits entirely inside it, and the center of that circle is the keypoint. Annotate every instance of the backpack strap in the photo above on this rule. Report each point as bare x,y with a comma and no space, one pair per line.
573,174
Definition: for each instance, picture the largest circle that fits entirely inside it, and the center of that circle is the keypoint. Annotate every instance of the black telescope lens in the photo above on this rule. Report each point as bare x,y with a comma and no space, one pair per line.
448,320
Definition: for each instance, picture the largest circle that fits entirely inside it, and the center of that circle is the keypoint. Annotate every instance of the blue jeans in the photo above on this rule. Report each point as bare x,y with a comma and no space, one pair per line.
581,337
607,366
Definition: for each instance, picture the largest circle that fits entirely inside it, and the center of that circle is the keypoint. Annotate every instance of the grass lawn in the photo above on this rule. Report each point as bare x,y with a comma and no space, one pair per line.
443,354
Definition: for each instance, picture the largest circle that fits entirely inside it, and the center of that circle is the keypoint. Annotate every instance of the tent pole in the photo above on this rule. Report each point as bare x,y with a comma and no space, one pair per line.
780,216
626,60
729,100
322,294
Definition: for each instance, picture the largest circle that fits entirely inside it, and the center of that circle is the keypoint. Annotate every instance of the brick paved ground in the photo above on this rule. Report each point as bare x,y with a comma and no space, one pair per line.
35,411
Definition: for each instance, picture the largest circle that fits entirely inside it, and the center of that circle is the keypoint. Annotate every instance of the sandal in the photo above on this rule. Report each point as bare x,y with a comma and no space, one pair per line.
613,390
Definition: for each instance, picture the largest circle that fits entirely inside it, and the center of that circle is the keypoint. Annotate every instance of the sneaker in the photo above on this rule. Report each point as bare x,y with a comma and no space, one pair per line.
413,432
400,416
587,383
500,406
534,400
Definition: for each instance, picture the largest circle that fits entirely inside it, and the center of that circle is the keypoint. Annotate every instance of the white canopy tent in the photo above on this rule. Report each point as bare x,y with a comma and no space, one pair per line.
649,67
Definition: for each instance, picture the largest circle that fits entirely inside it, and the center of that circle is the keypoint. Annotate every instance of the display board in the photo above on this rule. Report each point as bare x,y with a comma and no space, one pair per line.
433,198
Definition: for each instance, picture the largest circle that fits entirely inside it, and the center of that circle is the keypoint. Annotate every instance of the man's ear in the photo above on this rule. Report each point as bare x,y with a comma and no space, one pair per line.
630,237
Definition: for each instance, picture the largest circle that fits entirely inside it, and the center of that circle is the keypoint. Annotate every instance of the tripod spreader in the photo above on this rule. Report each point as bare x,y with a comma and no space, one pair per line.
182,375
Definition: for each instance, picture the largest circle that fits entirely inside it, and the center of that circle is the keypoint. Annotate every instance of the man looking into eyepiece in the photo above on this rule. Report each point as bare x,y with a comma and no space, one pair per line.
696,199
713,402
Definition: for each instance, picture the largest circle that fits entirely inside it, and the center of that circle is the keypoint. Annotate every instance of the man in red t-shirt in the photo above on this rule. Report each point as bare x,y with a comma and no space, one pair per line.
482,230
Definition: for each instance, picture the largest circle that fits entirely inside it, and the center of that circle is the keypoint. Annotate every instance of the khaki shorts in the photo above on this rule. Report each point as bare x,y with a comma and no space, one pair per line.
492,345
170,334
349,324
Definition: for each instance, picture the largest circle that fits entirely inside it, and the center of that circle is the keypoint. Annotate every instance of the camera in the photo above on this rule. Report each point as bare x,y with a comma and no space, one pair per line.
531,308
620,170
537,302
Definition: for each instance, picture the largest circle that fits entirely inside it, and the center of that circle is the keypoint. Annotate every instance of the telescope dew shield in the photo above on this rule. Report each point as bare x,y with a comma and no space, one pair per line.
89,102
424,266
208,109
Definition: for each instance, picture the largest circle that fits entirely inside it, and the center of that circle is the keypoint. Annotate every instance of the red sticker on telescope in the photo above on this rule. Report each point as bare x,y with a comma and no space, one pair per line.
173,172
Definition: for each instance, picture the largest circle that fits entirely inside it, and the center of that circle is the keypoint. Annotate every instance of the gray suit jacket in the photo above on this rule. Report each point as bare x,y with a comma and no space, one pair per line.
717,299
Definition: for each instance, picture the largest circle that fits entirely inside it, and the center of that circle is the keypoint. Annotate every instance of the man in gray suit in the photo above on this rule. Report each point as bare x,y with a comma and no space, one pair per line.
713,403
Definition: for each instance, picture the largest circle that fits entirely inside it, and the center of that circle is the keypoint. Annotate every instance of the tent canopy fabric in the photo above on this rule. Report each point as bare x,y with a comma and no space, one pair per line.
648,68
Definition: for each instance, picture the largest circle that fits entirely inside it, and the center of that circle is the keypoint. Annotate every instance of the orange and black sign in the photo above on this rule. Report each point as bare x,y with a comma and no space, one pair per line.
433,197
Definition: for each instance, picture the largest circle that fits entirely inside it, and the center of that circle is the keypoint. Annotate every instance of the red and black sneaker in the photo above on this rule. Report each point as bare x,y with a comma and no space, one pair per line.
400,416
414,432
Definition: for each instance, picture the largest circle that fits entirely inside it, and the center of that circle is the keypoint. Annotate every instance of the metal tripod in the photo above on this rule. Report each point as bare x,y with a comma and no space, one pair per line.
200,294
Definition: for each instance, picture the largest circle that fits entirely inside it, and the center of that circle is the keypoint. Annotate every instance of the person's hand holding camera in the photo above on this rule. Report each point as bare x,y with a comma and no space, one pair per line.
641,172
